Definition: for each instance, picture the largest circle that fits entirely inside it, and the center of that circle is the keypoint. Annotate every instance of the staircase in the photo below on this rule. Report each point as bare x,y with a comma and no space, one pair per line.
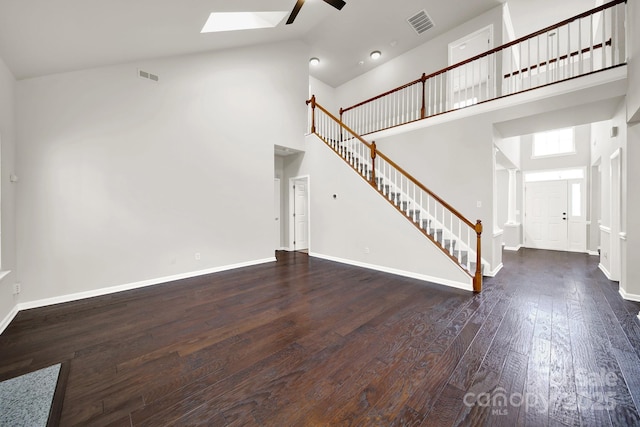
444,226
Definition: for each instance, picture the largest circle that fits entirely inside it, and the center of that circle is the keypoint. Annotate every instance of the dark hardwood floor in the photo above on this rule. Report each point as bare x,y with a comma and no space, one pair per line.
309,342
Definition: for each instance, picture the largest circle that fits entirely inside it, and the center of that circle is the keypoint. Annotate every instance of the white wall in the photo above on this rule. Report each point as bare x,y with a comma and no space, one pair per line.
511,148
426,58
502,195
455,161
360,218
325,95
631,247
124,179
7,189
603,146
633,48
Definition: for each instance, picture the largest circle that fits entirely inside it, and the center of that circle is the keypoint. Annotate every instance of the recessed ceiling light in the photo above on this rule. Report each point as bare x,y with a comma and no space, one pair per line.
234,21
314,61
375,54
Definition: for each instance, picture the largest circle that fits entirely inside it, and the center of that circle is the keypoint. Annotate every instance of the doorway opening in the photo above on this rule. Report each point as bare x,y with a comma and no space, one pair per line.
555,210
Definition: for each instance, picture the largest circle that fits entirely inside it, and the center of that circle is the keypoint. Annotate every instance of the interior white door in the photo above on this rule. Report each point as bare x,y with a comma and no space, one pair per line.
546,215
301,214
276,212
468,84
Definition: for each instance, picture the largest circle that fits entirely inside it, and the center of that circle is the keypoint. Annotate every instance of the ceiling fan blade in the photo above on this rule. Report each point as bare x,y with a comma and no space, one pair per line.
338,4
295,11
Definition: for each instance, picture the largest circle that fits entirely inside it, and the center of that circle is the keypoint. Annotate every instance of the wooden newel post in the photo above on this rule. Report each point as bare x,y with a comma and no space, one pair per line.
423,109
373,163
312,101
477,279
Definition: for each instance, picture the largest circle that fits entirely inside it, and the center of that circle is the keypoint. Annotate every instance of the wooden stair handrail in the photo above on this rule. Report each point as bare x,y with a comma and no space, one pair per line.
394,164
382,95
314,104
489,52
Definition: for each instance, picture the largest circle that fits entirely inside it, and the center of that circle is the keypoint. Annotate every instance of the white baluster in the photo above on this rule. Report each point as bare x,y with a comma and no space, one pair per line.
604,39
443,96
557,55
614,25
569,71
421,209
414,202
450,233
395,182
459,237
469,249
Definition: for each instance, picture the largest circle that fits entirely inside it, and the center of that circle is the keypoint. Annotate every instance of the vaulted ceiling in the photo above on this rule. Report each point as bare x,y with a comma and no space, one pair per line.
39,37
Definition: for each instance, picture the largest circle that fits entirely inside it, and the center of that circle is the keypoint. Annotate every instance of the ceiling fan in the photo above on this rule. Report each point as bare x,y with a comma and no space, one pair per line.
338,4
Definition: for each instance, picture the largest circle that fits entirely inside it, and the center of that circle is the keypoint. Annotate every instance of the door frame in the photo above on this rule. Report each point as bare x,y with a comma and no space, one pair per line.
456,44
527,219
277,188
292,223
585,191
615,214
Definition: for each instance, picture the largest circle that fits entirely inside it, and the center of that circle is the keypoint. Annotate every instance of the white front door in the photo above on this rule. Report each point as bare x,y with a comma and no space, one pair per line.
301,214
546,215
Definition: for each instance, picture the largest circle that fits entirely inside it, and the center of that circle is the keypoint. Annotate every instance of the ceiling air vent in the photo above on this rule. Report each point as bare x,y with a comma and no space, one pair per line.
147,75
420,22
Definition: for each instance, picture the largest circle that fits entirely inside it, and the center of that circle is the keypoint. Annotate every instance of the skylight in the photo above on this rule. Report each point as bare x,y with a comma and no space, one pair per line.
234,21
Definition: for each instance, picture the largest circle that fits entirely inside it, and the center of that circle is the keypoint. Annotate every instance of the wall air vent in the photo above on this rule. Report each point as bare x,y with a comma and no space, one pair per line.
146,75
421,22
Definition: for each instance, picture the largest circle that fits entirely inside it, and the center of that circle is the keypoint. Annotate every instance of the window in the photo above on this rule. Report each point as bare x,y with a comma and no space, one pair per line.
554,175
553,143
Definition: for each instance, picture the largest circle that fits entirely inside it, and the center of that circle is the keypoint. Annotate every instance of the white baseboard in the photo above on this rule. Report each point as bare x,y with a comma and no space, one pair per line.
629,297
605,271
8,318
126,287
512,248
593,253
495,271
412,275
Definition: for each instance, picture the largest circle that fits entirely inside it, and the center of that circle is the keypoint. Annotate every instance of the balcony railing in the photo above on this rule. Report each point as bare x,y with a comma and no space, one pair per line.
587,43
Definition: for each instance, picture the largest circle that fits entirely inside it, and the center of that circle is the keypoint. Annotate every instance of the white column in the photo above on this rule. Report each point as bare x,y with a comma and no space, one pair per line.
511,215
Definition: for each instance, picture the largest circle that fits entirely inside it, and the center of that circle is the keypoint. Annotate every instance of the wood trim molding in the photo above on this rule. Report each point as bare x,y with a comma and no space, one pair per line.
126,287
495,271
605,271
605,229
8,318
628,296
425,278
